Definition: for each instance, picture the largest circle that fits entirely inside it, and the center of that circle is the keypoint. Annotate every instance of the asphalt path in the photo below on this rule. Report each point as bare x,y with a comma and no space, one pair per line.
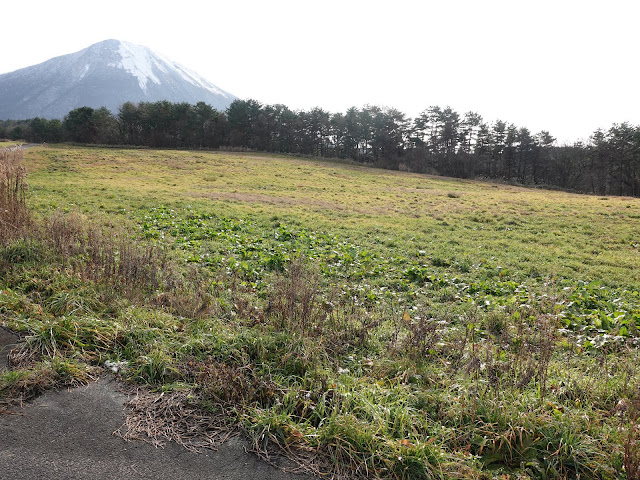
69,435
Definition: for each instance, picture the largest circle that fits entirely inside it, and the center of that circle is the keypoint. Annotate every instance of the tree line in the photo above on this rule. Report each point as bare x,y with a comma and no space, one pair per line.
438,141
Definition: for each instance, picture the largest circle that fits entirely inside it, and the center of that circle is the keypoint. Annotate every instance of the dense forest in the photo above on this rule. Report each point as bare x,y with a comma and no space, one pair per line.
438,141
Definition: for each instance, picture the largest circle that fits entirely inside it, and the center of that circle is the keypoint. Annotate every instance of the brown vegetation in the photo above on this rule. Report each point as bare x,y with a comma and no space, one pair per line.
14,215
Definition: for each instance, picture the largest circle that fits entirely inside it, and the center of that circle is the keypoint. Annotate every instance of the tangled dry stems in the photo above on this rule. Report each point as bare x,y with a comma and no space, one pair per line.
156,418
14,215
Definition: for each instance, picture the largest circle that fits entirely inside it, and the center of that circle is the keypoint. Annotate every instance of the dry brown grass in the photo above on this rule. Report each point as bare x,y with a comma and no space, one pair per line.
14,215
156,418
106,254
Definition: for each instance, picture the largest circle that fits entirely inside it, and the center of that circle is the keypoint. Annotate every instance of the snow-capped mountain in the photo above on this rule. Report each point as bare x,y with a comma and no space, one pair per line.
106,74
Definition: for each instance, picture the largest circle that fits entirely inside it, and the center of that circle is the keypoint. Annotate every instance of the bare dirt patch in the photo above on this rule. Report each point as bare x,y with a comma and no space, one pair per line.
279,200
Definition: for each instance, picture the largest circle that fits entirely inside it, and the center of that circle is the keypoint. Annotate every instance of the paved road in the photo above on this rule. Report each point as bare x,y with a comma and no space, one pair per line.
68,435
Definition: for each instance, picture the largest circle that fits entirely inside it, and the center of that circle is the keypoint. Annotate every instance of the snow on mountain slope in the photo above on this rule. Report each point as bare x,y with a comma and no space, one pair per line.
138,61
108,74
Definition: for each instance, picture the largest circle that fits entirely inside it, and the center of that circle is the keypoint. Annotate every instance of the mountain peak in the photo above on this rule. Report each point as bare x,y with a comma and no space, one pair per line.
139,61
108,73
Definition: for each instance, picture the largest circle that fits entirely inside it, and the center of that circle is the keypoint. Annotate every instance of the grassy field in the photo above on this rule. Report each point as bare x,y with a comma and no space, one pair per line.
363,322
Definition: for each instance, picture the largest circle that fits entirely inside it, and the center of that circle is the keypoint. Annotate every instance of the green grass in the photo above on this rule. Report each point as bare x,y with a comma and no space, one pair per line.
362,321
527,231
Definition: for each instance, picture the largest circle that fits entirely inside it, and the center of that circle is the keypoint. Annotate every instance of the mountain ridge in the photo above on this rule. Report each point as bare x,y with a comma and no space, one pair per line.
105,74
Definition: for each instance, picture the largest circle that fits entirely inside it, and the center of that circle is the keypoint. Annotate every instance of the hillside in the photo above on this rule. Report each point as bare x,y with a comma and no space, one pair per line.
359,320
106,74
527,230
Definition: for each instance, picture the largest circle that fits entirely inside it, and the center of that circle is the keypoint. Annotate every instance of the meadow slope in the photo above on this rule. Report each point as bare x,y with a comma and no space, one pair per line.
364,322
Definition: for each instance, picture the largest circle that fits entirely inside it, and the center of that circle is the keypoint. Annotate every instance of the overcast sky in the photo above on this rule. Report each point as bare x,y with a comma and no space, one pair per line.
560,65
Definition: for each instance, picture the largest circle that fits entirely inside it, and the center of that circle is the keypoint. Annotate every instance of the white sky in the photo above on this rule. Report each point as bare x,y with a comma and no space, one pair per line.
561,65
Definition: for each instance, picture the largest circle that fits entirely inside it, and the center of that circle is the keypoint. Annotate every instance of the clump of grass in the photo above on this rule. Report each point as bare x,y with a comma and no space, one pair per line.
72,372
20,250
422,333
293,303
233,386
156,368
22,384
65,233
85,337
